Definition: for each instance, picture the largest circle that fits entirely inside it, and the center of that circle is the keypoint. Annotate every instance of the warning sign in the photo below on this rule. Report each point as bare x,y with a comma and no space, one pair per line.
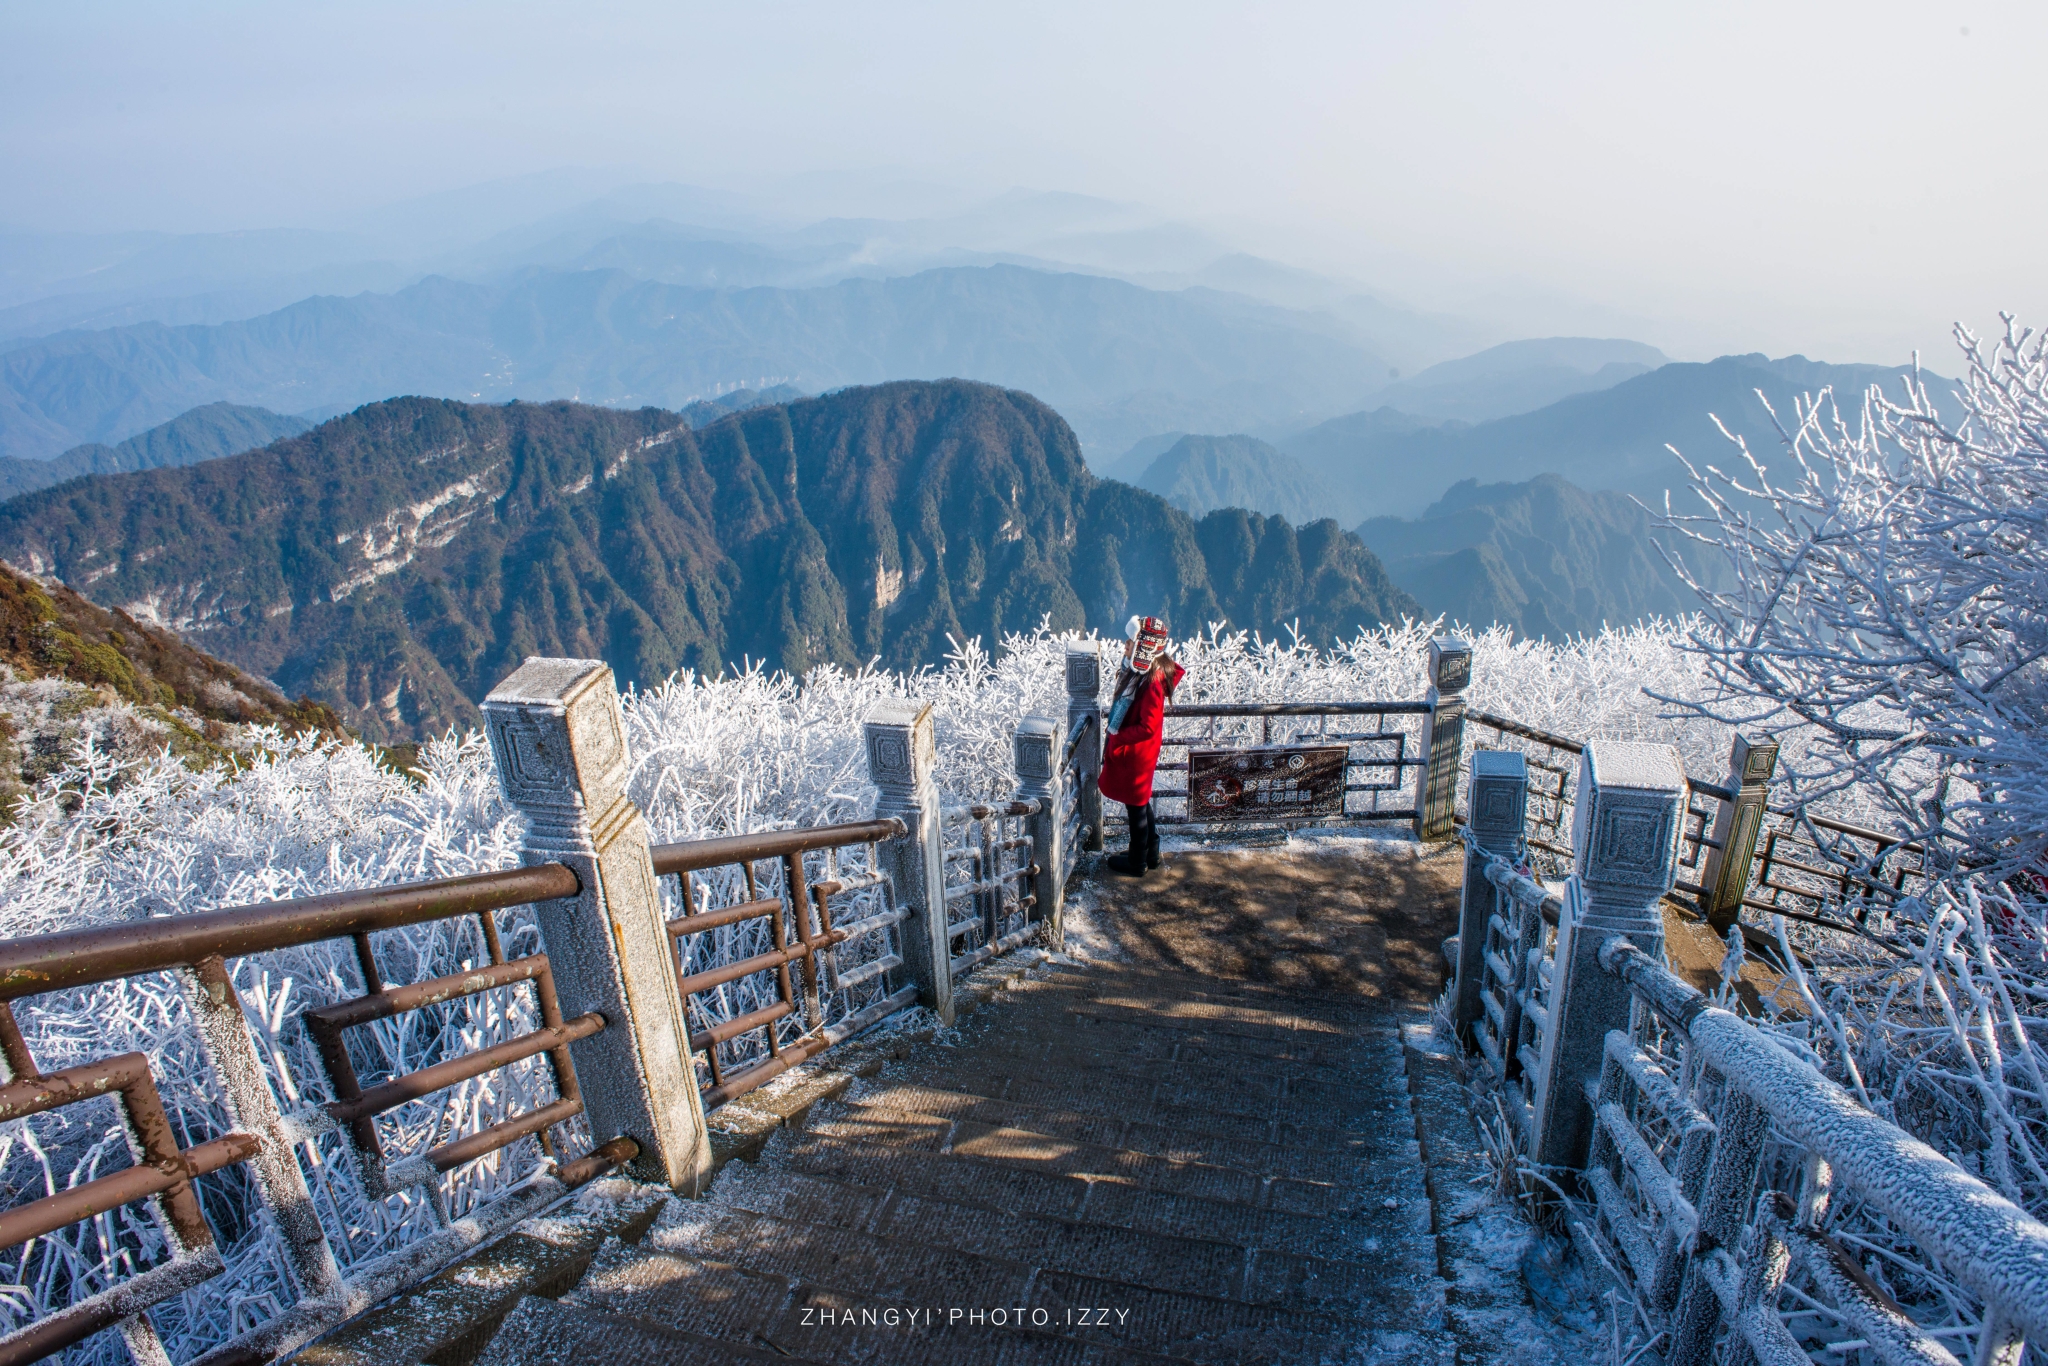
1265,783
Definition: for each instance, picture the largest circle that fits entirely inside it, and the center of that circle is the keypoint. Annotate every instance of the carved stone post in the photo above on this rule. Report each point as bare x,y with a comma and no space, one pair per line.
1736,827
1443,737
1038,743
1084,698
560,747
902,753
1498,802
1625,828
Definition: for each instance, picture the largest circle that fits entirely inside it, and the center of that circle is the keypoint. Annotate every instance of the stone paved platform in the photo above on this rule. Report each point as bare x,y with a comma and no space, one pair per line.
1194,1140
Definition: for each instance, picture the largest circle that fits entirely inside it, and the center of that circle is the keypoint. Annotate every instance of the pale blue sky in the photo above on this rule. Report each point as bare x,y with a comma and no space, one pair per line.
1836,179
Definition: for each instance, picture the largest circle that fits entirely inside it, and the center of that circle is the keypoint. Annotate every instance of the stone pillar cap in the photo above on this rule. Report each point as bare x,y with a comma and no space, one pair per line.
1499,763
1633,764
897,711
548,682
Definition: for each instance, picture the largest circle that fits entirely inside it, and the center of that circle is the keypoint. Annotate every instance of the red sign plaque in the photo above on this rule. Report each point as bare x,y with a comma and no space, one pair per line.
1266,783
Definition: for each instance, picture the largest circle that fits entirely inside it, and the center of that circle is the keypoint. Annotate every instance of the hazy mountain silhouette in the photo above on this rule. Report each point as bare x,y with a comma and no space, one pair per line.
1085,343
1544,557
1518,377
1383,463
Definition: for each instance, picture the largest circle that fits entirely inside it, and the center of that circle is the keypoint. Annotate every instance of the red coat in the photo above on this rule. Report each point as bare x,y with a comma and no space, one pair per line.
1130,755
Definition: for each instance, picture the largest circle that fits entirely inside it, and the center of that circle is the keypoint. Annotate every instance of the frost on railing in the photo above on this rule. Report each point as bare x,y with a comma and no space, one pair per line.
785,942
990,862
1076,768
1742,1206
1514,979
1730,1181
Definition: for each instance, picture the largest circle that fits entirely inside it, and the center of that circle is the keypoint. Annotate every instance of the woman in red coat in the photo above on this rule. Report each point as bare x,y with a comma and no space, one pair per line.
1136,722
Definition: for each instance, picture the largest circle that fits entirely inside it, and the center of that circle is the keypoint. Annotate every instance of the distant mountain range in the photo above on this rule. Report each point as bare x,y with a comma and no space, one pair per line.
1519,377
1115,358
204,433
1389,463
1544,557
396,562
1199,474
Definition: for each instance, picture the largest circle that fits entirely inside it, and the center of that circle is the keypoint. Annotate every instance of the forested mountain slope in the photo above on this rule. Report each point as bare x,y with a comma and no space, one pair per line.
204,433
1201,473
1544,557
398,561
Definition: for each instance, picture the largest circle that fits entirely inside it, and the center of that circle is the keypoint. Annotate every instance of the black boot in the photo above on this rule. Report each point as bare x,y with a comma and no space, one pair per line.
1132,861
1151,840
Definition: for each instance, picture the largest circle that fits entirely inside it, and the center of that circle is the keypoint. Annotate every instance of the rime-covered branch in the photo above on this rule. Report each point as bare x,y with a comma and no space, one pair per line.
1884,591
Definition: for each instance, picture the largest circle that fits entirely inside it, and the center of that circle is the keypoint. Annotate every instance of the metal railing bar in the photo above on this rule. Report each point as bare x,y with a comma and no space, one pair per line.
693,855
738,1025
416,1085
71,958
1220,709
503,1134
724,915
1541,737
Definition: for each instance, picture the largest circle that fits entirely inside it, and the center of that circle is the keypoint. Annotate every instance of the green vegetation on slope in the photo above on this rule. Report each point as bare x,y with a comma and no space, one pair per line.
1199,474
396,562
1545,557
204,433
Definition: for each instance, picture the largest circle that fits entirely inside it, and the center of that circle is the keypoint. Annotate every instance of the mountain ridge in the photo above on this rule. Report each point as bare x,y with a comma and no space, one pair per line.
397,561
1612,439
1545,557
1199,474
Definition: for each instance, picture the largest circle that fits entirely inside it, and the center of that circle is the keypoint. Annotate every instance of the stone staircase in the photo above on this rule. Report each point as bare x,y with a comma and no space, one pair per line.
1107,1162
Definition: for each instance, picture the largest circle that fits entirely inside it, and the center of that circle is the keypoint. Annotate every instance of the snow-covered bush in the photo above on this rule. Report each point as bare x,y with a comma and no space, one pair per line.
1889,603
110,838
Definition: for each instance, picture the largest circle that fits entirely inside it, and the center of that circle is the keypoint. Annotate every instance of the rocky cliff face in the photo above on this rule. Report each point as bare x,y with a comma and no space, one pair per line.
396,562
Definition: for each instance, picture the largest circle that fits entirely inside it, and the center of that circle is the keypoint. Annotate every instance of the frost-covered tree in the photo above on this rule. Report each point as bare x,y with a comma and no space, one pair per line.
1885,594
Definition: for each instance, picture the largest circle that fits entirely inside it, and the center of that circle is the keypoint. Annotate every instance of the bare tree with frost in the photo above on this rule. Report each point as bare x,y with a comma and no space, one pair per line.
1888,597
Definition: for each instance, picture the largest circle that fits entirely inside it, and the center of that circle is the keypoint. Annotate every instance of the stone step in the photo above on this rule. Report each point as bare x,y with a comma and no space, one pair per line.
1258,995
966,1181
1187,1000
1024,1035
811,1322
1093,1244
1029,1150
1295,1311
543,1332
1269,1147
1116,1023
1217,1107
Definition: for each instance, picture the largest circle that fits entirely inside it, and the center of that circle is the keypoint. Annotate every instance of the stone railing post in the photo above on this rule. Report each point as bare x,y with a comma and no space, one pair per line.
1736,827
1084,698
1625,828
560,746
1038,743
1498,805
902,756
1443,738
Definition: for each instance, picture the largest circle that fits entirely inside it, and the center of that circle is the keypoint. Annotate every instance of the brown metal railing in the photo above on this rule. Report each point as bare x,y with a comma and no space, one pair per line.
1792,875
198,944
995,864
804,909
1389,754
